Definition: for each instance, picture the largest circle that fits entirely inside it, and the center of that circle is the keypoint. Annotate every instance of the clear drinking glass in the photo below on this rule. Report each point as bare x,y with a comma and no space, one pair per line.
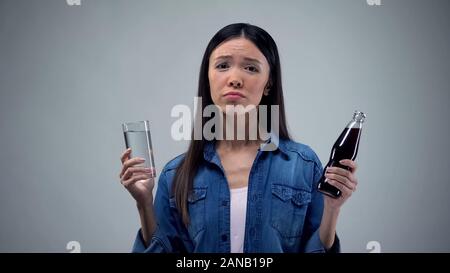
137,137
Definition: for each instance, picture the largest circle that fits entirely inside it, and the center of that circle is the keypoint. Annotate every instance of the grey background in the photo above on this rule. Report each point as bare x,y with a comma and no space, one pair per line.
70,75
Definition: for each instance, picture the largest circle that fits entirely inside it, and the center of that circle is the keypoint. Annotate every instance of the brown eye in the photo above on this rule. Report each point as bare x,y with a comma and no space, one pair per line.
252,69
222,66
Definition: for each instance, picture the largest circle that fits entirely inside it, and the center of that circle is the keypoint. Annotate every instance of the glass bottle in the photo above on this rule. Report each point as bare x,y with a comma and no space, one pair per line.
345,147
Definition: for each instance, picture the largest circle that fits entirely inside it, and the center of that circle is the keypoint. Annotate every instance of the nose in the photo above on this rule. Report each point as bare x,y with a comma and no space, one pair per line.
235,83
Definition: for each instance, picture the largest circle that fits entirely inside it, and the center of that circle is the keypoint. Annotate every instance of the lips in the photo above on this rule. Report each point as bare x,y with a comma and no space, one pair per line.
234,94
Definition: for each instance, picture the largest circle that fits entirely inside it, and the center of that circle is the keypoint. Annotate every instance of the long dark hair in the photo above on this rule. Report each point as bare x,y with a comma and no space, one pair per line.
185,173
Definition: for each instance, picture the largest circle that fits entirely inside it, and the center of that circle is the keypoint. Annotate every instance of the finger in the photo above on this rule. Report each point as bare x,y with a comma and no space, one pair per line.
339,171
341,179
133,182
134,161
153,172
129,183
134,179
350,176
131,162
125,155
345,192
349,163
137,170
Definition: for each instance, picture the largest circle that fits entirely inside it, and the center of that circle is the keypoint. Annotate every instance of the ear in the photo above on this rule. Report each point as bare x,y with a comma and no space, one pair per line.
267,88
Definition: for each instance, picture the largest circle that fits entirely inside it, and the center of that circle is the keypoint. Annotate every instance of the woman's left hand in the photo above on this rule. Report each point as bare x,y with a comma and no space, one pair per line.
344,180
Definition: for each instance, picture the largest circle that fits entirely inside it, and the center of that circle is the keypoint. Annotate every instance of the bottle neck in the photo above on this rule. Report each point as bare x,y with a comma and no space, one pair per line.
354,124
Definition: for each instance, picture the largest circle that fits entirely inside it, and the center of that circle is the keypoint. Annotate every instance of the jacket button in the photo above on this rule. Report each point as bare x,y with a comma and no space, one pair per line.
224,237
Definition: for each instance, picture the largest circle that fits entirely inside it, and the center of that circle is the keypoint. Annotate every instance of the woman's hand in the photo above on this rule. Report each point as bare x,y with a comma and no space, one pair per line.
139,181
342,179
346,182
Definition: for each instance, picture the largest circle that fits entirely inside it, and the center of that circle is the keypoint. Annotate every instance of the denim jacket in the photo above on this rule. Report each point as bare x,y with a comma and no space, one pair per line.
284,208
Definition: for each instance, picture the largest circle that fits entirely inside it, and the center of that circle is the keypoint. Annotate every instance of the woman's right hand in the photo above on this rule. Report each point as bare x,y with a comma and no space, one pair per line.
138,180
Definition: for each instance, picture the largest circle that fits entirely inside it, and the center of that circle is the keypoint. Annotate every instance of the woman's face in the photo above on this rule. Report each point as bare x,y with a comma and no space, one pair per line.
238,73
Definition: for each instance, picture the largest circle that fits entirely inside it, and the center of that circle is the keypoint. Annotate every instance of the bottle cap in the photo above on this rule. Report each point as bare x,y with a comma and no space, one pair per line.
359,116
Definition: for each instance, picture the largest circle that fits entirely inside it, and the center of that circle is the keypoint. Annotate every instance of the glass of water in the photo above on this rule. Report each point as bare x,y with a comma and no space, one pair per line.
137,137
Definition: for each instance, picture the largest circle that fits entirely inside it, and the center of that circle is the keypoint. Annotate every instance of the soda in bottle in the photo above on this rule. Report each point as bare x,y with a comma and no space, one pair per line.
345,147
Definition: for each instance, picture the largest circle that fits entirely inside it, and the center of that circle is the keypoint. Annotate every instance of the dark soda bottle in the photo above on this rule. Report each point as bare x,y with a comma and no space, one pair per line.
345,147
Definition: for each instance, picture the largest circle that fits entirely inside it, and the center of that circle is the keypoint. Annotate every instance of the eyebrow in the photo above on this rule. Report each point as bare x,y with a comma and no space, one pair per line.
248,59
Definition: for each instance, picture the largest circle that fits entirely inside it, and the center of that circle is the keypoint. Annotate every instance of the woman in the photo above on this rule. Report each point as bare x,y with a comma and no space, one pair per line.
231,194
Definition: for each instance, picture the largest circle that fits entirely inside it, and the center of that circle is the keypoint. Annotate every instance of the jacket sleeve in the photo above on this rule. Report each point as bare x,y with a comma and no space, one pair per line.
166,237
311,241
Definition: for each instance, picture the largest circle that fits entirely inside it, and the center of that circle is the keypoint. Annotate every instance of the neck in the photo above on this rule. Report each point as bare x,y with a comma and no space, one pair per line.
239,132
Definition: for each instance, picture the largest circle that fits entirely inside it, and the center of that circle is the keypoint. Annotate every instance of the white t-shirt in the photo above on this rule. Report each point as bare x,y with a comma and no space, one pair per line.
238,212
